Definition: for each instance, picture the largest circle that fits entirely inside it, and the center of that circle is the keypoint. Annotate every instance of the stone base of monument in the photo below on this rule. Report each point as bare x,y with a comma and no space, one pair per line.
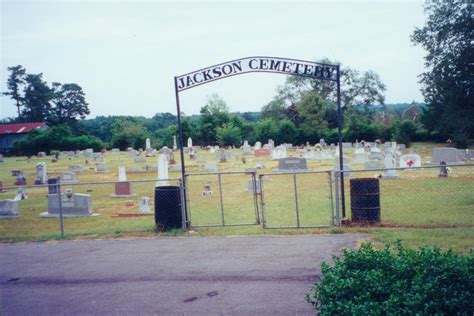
123,189
9,209
73,205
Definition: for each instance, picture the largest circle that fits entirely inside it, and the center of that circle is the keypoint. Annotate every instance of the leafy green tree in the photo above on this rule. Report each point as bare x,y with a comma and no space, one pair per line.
287,132
59,137
448,82
213,115
15,81
357,88
37,98
229,135
69,103
404,132
311,110
128,134
266,129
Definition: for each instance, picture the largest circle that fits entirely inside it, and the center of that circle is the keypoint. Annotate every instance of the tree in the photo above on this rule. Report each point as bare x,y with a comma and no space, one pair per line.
287,132
448,81
229,135
36,100
357,88
311,108
266,129
128,134
213,115
69,103
14,83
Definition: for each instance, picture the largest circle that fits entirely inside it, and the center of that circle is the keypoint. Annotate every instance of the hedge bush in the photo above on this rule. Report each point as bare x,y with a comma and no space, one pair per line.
396,281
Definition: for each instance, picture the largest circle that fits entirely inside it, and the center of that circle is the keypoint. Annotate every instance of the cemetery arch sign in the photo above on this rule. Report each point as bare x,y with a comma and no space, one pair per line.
285,66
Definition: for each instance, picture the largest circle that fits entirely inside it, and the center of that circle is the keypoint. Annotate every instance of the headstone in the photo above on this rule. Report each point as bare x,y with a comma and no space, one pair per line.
228,155
258,145
322,142
72,204
17,172
175,147
139,160
262,152
373,164
346,145
390,162
447,154
68,177
9,209
361,158
133,153
271,143
162,170
122,174
144,205
52,185
41,154
148,149
20,195
410,161
246,149
123,189
101,167
291,163
259,165
1,187
20,180
190,142
279,153
192,153
212,167
376,155
401,146
310,154
115,150
359,150
41,174
443,170
76,168
345,161
1,158
137,169
222,157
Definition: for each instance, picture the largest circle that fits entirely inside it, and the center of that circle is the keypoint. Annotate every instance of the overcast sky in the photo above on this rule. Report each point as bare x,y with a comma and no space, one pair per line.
125,54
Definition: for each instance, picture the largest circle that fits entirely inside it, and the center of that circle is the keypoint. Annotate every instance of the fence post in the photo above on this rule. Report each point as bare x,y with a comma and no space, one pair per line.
255,197
186,197
336,188
262,196
296,201
220,198
184,223
331,204
60,204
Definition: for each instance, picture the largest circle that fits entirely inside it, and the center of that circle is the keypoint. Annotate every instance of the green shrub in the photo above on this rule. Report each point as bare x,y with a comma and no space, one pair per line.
366,281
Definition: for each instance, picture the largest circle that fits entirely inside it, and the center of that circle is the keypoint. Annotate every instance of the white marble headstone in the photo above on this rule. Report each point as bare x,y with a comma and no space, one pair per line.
122,174
162,170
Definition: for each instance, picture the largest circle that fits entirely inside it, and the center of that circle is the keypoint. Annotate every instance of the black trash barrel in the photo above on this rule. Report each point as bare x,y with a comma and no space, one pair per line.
168,207
365,200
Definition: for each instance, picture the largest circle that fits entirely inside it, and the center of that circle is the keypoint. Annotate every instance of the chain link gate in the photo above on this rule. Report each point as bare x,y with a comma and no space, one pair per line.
297,199
222,199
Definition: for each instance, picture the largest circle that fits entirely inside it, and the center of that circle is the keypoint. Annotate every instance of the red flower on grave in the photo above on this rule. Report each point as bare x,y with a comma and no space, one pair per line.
410,163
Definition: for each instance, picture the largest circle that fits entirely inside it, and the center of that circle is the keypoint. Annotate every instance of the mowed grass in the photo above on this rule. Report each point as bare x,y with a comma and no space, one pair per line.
417,199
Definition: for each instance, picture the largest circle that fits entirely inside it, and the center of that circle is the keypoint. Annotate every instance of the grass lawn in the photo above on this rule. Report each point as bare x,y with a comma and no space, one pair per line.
444,208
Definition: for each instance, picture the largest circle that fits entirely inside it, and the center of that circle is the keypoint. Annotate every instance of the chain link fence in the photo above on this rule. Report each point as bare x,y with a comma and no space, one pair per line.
416,197
88,209
222,199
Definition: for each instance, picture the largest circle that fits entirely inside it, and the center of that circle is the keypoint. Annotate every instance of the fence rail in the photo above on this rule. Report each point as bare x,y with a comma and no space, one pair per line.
409,197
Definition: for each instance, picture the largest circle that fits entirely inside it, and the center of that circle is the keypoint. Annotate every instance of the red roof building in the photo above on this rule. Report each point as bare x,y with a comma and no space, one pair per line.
9,133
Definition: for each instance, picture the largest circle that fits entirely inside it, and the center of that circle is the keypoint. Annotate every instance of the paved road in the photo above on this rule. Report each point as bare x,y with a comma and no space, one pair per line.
166,276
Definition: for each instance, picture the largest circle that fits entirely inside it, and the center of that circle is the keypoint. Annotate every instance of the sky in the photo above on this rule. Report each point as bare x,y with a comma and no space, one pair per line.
125,54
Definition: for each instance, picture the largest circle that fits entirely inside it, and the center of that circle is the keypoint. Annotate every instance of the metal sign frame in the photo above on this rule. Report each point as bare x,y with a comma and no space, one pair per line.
285,66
